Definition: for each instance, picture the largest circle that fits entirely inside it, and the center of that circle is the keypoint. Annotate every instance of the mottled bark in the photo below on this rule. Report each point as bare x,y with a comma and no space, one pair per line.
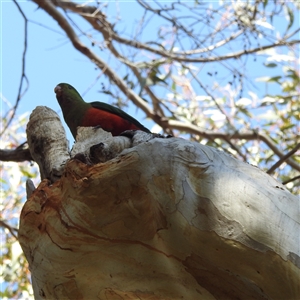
160,218
47,142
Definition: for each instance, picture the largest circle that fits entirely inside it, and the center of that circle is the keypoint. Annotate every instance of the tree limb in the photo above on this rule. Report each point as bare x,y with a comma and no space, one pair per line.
18,154
283,159
248,135
290,180
12,230
88,12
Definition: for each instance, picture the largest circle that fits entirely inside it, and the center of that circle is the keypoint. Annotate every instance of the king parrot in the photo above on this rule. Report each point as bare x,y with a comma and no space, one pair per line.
76,113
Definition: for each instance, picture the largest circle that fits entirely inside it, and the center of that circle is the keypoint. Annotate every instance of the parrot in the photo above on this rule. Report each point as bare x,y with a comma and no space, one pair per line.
77,112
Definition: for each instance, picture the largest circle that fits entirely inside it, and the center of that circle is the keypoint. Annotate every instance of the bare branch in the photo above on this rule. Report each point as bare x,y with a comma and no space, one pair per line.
99,22
212,47
249,135
12,230
23,75
159,12
211,96
237,54
291,180
283,159
18,154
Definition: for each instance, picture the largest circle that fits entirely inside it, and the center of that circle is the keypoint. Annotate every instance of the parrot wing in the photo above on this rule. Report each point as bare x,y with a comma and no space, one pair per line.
116,111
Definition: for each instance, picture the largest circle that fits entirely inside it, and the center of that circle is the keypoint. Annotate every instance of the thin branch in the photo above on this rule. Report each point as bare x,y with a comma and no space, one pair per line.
45,26
221,110
175,23
283,159
101,24
235,148
292,33
18,154
249,135
211,96
12,230
212,47
290,180
230,55
93,83
23,75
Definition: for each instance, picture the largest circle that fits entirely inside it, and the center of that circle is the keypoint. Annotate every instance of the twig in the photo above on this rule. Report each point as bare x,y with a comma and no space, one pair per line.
290,180
283,159
11,229
23,75
88,13
249,135
211,96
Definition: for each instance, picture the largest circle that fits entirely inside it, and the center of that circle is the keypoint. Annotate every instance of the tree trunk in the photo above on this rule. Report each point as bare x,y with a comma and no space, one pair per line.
157,218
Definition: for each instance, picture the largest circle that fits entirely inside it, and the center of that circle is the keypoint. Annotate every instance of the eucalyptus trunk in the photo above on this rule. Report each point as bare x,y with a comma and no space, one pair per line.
148,217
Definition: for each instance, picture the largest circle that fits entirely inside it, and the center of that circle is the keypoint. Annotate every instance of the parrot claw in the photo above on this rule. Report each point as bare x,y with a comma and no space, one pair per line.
97,127
138,136
129,133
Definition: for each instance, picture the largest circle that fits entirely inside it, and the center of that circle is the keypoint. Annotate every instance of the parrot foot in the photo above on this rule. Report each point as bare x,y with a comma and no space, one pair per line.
138,136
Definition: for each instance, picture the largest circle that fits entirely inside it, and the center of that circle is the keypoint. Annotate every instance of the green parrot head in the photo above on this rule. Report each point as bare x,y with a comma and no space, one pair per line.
67,95
72,105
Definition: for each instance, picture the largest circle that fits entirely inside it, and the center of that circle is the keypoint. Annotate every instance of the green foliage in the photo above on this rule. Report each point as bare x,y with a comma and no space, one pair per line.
290,16
284,127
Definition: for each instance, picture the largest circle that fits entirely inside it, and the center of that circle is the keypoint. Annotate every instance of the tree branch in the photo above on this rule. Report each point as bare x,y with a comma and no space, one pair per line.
290,180
18,154
99,22
283,159
249,135
12,230
23,75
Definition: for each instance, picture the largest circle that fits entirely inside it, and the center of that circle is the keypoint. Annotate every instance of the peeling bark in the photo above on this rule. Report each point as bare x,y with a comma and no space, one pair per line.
160,219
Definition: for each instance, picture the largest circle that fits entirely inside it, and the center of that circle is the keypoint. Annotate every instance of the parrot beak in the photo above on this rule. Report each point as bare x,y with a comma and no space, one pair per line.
57,90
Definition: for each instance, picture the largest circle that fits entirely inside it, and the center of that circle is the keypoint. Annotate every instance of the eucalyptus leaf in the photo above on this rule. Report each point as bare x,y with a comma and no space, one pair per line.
291,17
270,65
